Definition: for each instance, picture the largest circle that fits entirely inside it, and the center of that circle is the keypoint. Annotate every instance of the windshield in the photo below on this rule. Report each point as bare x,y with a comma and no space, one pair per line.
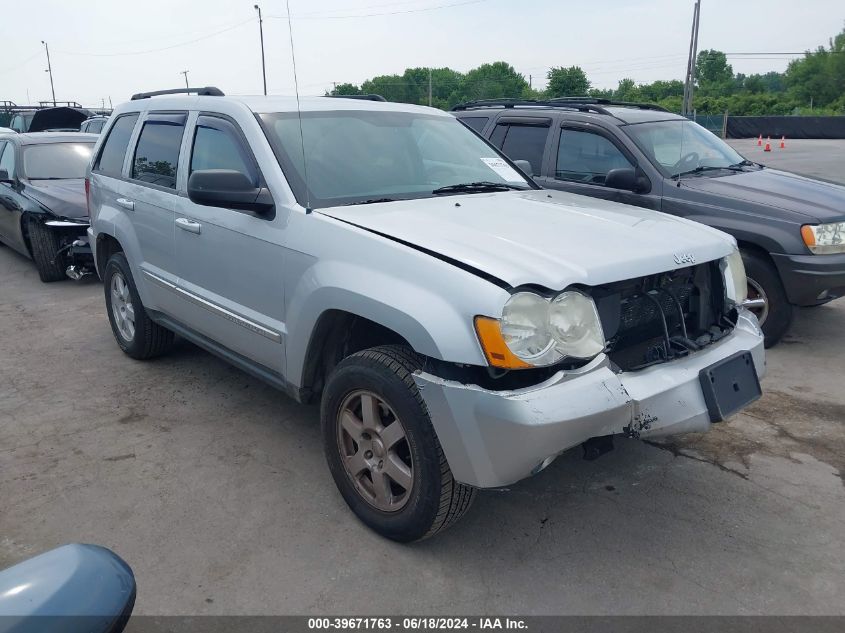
681,146
56,160
360,156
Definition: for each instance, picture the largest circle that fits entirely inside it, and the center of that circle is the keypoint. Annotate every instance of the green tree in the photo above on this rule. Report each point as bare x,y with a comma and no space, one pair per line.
493,81
820,76
391,87
713,73
660,90
601,93
626,90
567,82
345,89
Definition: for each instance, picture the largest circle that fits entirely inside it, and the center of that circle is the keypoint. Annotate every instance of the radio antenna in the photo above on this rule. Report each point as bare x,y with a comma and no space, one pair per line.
299,113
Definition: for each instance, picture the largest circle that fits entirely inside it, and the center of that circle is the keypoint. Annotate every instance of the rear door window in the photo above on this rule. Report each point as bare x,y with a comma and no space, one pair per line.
110,161
157,153
476,123
587,157
522,142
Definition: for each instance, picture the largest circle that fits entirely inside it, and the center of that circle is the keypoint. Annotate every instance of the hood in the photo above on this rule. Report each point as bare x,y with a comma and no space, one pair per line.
548,238
58,119
64,198
813,199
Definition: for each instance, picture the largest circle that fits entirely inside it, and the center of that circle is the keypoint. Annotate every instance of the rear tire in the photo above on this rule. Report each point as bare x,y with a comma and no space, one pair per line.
423,499
136,334
764,281
46,245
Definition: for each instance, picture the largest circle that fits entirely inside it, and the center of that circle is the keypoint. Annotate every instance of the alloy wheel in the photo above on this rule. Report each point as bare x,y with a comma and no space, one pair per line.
758,301
122,309
374,451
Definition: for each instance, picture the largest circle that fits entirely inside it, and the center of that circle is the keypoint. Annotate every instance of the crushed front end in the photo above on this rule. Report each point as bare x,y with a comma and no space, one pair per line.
668,336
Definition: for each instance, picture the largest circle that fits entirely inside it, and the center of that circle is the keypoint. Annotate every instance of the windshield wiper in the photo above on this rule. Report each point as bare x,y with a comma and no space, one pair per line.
746,163
703,168
477,187
371,201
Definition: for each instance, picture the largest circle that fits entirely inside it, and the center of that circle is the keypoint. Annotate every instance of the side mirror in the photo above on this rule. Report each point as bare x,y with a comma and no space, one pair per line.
621,178
4,176
525,166
89,587
228,189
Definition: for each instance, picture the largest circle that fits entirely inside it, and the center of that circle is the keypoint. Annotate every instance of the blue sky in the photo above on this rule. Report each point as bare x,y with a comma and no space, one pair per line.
113,48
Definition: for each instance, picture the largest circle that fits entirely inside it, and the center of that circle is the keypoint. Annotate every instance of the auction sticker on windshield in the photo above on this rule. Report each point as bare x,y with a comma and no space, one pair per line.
504,170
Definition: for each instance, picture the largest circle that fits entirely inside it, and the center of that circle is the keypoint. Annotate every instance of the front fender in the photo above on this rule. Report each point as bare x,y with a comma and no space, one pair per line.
428,317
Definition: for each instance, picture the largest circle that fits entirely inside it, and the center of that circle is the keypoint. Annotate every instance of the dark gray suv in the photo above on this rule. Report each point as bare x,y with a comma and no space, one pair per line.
790,229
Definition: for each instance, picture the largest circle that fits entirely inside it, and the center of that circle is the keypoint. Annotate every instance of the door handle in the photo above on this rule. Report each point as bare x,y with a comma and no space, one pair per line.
126,204
189,225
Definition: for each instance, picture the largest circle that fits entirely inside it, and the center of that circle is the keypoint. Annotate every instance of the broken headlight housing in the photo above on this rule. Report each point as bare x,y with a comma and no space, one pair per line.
736,283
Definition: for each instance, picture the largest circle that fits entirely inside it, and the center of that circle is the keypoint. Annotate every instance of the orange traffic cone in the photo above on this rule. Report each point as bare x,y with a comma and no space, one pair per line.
760,141
783,142
768,147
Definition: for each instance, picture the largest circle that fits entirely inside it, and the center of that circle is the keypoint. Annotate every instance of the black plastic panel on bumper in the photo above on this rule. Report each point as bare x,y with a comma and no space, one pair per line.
806,277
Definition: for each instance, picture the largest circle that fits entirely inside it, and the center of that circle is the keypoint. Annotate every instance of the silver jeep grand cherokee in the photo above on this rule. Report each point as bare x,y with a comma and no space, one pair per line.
460,326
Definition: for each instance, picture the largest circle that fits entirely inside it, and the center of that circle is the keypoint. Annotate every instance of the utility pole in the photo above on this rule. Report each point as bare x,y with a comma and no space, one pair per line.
429,87
50,70
693,53
185,72
261,33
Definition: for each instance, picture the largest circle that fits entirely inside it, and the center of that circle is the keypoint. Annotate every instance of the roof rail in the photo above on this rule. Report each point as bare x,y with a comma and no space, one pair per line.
362,97
583,104
11,106
496,103
207,91
606,102
59,104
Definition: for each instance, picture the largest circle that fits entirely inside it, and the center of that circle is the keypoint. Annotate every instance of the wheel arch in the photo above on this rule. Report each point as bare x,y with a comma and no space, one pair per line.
336,335
106,246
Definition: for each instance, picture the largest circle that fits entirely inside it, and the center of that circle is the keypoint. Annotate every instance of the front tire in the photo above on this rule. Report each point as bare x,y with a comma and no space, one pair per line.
46,252
768,297
136,334
382,450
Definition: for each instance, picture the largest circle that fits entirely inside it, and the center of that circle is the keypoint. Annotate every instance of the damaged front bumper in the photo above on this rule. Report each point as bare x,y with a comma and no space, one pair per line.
79,257
496,438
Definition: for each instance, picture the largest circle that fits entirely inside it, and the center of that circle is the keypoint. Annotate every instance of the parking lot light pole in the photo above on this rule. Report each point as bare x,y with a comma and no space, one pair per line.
185,72
261,35
50,70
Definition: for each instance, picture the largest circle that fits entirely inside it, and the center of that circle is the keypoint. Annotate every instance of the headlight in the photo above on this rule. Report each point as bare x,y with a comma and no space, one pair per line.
736,283
536,332
824,239
525,328
575,325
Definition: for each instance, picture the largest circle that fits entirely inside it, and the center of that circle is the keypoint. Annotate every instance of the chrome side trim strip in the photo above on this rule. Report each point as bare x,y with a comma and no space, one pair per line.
252,326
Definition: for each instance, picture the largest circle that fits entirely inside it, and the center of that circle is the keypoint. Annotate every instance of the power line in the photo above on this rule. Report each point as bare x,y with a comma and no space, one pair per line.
304,16
164,48
19,64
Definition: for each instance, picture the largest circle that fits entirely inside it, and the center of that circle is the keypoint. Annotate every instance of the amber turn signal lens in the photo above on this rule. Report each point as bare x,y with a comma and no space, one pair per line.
494,346
808,235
